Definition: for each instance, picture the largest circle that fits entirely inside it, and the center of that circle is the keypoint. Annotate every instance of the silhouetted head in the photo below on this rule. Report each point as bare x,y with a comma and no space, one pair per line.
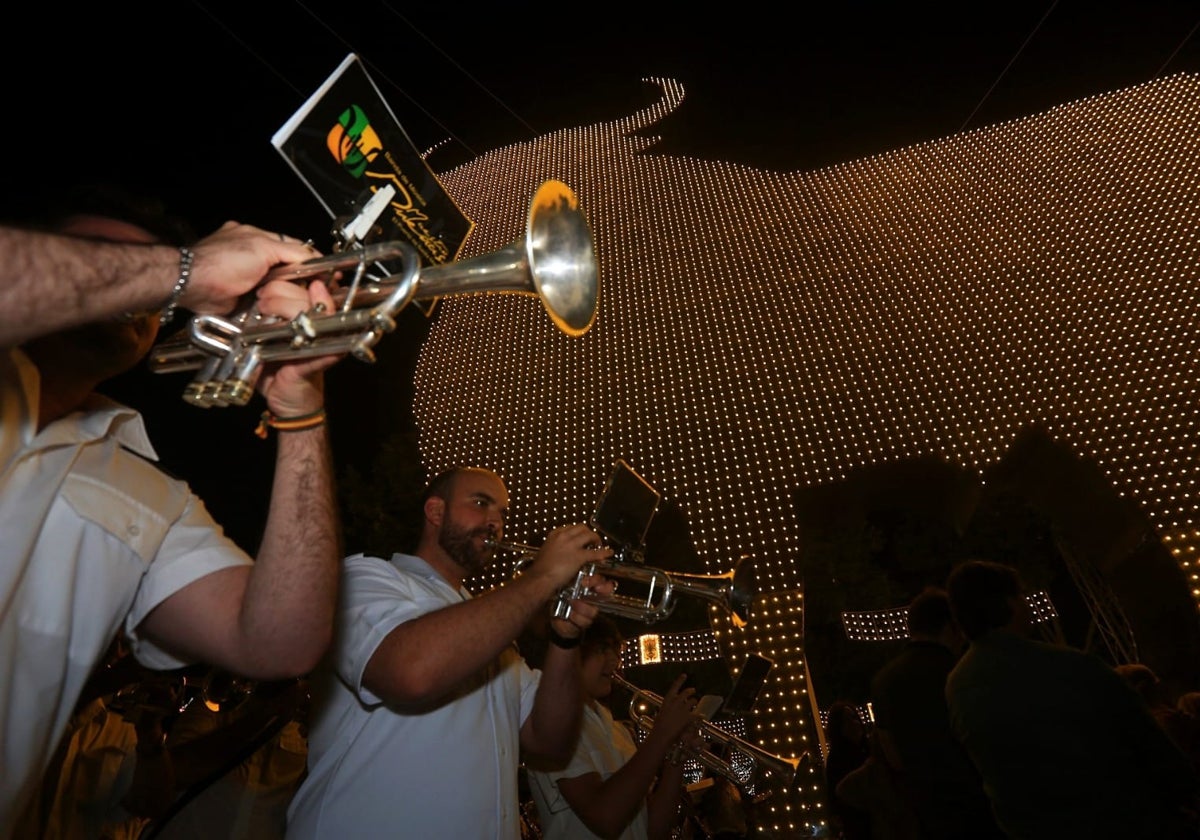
929,613
986,596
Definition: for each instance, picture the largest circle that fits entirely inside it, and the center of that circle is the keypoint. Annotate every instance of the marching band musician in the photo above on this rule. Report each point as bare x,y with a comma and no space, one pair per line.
98,540
422,714
613,787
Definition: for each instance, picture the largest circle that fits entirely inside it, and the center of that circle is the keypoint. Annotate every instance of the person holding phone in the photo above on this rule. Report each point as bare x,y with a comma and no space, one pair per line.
612,786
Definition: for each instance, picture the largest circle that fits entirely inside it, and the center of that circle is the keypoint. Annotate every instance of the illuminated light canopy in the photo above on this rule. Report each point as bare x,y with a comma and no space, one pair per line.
761,332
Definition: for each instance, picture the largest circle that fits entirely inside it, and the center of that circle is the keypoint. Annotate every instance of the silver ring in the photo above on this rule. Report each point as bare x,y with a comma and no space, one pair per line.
282,238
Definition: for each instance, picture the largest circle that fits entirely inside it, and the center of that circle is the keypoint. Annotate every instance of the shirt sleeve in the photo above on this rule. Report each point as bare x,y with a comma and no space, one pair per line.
376,598
192,547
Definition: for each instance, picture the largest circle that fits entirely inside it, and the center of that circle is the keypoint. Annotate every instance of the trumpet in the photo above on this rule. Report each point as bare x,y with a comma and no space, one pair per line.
553,261
779,771
734,590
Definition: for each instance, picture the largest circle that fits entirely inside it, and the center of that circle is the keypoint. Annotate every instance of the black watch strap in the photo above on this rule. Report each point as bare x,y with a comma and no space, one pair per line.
562,641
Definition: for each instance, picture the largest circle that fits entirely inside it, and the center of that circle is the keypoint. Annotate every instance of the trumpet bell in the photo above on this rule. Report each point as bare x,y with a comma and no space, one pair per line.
560,258
734,591
554,261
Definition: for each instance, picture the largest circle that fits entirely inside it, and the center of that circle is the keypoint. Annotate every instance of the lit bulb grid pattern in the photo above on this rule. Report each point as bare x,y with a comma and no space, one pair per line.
891,625
692,646
761,332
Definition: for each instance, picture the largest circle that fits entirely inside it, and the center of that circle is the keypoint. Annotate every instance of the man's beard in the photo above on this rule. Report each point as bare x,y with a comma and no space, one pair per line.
459,543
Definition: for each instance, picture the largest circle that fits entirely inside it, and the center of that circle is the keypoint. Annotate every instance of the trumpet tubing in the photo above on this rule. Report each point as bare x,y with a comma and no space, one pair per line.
780,771
734,591
554,261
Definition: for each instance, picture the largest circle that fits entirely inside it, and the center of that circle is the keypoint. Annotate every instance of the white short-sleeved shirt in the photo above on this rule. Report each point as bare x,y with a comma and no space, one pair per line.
449,771
93,536
604,747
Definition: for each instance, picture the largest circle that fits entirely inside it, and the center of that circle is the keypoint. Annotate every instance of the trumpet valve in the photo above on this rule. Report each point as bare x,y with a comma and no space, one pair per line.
361,349
302,326
236,392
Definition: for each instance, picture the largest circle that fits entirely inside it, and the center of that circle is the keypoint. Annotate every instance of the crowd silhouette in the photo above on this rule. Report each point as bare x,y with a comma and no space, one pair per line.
983,732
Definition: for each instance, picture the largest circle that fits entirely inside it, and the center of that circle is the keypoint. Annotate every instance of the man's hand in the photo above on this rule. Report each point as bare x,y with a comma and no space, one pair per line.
677,716
295,387
584,610
233,260
566,551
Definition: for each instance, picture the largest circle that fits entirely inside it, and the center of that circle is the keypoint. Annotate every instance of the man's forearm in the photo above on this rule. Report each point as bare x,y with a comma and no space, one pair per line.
50,282
557,707
423,659
288,609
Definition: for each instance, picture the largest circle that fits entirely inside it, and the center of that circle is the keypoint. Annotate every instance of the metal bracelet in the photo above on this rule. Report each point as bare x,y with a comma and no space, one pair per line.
185,274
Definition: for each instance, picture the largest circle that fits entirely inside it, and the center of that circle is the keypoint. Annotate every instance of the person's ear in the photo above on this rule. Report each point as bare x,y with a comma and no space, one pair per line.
435,510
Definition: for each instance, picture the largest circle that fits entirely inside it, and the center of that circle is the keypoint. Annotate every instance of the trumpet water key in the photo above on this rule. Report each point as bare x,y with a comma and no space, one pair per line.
554,261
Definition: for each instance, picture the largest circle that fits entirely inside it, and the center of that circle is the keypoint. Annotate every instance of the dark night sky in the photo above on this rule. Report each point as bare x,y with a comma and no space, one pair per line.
187,98
183,101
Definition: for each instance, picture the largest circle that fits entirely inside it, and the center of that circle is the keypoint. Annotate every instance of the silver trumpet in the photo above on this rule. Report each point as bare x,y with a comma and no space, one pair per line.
734,591
553,261
775,770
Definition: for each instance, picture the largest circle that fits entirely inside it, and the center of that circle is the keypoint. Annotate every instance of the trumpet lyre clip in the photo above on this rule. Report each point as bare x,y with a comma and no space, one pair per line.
553,261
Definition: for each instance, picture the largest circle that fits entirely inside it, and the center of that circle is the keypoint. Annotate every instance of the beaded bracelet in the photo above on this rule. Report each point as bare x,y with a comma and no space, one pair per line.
185,274
289,424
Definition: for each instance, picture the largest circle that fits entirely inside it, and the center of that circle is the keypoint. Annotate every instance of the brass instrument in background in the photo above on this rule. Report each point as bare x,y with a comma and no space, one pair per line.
779,771
554,261
734,591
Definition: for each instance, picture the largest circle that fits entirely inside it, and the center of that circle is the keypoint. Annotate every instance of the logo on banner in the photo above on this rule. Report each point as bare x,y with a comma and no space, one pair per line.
352,142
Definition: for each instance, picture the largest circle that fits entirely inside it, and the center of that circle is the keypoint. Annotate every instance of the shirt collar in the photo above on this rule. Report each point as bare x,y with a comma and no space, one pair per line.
98,418
416,566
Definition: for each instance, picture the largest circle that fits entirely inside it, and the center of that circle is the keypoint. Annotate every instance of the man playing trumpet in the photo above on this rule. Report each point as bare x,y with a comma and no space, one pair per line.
97,540
422,714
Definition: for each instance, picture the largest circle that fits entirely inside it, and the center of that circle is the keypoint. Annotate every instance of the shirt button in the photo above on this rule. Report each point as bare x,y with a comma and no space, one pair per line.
134,530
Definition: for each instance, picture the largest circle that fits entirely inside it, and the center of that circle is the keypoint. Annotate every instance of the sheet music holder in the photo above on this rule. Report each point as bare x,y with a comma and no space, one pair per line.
747,686
347,147
626,507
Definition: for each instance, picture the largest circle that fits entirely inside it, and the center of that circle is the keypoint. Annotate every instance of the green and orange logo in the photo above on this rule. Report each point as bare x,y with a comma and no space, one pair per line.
352,142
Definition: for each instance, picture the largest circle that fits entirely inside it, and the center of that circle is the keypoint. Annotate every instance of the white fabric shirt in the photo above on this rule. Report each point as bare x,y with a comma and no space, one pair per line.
92,538
449,771
604,747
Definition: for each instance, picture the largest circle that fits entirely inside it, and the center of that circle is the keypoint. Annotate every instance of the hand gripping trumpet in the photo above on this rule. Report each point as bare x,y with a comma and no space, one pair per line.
734,590
554,261
779,771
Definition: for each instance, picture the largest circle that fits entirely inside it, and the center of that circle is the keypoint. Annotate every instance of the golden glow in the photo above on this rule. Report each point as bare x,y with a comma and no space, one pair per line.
650,649
760,332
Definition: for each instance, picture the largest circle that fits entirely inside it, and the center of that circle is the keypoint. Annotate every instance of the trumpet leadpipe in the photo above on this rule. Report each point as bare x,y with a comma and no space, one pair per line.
516,547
